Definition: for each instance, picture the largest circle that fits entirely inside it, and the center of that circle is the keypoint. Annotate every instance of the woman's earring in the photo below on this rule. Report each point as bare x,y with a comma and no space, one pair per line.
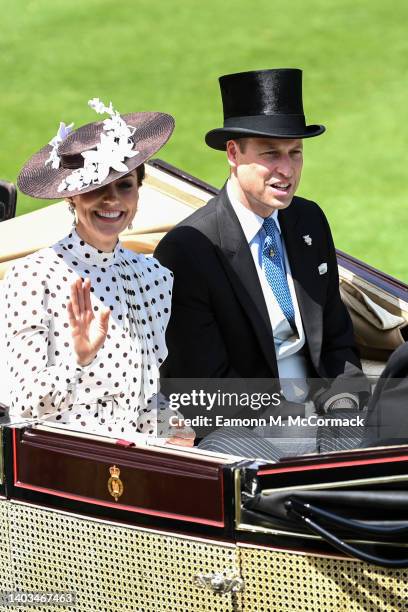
71,209
130,226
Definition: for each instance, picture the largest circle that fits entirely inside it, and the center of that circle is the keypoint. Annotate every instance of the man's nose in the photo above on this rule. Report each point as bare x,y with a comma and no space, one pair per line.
284,166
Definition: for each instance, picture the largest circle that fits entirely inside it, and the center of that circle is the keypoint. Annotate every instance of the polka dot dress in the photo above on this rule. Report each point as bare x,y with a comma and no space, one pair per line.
116,393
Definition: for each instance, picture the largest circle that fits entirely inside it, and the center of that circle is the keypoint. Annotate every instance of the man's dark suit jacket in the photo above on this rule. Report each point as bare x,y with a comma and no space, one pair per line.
387,418
219,325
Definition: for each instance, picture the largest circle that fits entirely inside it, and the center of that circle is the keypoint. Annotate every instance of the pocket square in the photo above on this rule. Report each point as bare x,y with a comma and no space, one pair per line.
322,268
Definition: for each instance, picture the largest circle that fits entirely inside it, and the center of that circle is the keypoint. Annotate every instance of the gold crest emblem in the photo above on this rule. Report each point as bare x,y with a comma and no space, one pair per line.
115,485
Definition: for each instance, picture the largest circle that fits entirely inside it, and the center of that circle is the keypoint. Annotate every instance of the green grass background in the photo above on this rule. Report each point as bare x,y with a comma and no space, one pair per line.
167,56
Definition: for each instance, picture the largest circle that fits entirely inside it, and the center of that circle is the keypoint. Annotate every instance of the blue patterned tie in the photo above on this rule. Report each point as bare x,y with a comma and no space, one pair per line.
275,272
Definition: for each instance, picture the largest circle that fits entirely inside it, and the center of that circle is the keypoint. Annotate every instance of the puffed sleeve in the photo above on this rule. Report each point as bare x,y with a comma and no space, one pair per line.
40,385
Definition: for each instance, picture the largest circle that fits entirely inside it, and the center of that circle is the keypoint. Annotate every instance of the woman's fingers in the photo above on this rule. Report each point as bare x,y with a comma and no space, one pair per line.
74,300
87,295
104,321
184,436
80,295
71,315
181,441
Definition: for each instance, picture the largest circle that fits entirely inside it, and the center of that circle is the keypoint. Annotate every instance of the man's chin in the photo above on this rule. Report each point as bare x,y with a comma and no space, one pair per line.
281,204
264,207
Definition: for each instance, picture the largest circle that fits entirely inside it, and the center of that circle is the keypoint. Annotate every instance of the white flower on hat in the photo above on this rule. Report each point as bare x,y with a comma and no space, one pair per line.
99,106
73,182
62,133
114,147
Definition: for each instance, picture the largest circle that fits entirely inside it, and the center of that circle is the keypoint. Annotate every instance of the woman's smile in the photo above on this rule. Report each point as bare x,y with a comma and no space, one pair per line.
110,216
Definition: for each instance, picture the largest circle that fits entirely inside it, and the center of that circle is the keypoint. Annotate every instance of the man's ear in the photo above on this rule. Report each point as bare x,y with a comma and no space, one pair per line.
232,149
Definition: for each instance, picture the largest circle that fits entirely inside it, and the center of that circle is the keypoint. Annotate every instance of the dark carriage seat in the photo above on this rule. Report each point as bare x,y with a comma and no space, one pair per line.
8,200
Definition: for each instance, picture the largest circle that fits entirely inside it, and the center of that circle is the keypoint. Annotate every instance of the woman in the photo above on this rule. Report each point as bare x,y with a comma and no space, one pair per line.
86,318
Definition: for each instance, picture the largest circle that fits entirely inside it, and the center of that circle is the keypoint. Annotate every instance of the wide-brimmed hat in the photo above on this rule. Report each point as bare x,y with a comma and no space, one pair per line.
264,103
95,154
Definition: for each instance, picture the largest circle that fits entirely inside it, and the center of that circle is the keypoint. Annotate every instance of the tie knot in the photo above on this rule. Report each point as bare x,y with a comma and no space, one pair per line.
270,226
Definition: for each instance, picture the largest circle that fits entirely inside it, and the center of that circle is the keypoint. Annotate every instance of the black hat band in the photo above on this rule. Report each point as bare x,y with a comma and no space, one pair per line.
72,161
262,123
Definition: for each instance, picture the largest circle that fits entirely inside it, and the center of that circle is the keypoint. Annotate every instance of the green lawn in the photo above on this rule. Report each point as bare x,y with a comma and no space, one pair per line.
55,55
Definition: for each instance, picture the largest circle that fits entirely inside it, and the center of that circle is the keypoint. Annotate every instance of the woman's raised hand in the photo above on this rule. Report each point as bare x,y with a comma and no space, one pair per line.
88,332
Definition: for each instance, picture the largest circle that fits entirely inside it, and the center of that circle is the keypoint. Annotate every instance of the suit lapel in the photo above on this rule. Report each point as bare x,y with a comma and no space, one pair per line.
242,273
303,266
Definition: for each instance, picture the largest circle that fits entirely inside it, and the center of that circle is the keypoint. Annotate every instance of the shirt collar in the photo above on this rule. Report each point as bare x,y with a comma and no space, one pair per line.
83,251
250,222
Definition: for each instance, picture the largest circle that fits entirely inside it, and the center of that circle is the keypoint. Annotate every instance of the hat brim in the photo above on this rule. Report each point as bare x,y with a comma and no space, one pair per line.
218,138
39,180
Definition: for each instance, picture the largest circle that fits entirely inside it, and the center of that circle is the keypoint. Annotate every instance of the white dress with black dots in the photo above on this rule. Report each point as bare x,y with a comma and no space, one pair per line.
116,394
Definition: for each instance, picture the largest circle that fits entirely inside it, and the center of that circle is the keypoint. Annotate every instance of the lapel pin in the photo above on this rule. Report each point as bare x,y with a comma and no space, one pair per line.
308,240
322,268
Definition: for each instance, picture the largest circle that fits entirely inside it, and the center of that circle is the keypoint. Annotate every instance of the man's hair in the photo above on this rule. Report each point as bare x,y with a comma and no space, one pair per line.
140,174
242,143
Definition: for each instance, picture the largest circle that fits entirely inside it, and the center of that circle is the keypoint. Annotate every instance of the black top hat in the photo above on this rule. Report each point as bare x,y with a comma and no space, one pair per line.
262,103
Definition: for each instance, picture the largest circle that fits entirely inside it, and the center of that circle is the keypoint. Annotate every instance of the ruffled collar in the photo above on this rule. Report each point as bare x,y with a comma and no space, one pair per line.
88,254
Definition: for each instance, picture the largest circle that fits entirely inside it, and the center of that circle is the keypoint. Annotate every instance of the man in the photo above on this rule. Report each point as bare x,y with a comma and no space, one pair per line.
256,283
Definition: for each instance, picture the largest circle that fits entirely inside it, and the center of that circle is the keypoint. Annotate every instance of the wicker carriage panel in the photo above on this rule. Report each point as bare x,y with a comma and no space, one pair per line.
5,552
113,568
283,582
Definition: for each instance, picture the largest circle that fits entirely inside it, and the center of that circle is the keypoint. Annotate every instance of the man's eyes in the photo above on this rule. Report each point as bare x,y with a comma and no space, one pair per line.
125,185
294,153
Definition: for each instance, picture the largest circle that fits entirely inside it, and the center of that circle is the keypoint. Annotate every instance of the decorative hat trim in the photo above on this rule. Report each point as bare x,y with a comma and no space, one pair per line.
115,145
63,131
